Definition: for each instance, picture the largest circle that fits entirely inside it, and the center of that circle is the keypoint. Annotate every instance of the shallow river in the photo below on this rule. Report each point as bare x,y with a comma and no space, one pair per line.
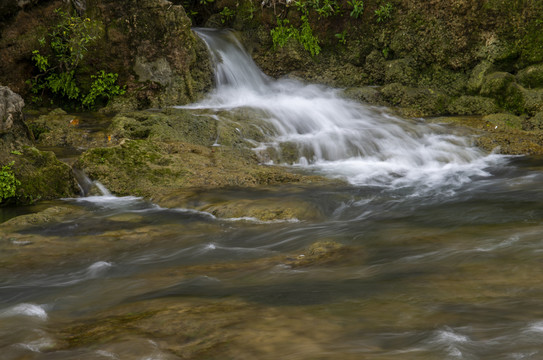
417,256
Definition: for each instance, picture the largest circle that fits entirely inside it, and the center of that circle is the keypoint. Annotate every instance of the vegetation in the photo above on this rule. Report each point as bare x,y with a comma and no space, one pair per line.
384,12
358,8
8,182
59,66
304,35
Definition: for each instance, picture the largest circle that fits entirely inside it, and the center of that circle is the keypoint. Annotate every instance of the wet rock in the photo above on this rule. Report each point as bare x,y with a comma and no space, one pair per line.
265,210
504,120
50,215
320,253
368,94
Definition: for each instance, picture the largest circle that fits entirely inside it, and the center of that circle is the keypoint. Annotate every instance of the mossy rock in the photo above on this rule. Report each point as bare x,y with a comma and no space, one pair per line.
532,100
367,94
505,120
536,122
265,210
496,84
43,177
321,253
473,105
419,101
401,71
531,77
477,76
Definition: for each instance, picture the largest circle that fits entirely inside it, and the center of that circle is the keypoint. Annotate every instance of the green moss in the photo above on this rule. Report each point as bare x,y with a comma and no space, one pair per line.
473,105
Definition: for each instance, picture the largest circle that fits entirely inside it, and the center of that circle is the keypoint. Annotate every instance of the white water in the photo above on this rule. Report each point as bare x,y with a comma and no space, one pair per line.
337,136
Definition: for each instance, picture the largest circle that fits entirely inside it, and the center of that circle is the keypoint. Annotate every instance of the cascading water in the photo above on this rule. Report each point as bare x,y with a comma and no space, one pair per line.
337,136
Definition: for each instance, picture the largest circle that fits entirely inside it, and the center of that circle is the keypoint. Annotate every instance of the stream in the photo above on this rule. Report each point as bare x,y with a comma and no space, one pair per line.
429,249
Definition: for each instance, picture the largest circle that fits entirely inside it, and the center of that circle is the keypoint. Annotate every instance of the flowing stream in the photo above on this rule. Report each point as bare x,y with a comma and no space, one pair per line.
431,249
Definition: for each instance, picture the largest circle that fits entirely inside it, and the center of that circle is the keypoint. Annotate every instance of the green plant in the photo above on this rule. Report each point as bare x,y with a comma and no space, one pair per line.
226,14
8,182
58,68
384,12
358,8
304,35
307,39
282,33
342,37
103,86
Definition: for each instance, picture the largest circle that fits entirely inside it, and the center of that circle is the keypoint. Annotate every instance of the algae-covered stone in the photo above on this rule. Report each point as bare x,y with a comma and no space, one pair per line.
367,94
496,84
419,101
473,105
400,71
536,121
531,77
43,176
532,100
505,120
478,75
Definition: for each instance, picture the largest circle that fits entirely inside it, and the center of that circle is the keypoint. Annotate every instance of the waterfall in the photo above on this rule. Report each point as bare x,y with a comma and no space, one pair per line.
339,137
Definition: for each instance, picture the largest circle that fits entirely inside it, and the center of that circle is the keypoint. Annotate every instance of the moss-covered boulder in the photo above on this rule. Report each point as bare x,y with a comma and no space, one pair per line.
473,105
504,120
39,175
415,101
531,77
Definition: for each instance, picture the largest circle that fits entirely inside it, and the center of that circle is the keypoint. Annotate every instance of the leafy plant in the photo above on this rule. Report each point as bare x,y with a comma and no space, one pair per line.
384,12
307,39
342,37
8,182
103,86
226,14
58,68
284,31
358,8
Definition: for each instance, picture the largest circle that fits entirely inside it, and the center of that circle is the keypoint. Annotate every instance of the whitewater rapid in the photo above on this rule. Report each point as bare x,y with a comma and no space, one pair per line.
339,137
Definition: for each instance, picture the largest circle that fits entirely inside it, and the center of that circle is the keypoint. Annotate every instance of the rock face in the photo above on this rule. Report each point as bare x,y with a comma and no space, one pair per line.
11,115
148,43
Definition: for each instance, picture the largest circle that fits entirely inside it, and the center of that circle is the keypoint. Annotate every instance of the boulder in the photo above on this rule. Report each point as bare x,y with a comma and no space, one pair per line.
531,77
11,115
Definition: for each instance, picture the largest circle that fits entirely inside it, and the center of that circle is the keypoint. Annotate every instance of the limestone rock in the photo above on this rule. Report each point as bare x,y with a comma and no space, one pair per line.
11,113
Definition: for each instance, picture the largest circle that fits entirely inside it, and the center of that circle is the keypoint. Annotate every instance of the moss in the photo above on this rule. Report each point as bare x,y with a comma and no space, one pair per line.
102,329
401,71
477,76
531,77
43,177
473,105
504,120
496,84
420,101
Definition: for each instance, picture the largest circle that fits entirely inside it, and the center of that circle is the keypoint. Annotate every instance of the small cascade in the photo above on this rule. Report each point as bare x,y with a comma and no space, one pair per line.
89,187
336,136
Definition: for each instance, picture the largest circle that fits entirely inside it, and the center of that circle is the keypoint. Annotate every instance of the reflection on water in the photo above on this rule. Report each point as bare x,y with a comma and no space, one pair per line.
385,276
